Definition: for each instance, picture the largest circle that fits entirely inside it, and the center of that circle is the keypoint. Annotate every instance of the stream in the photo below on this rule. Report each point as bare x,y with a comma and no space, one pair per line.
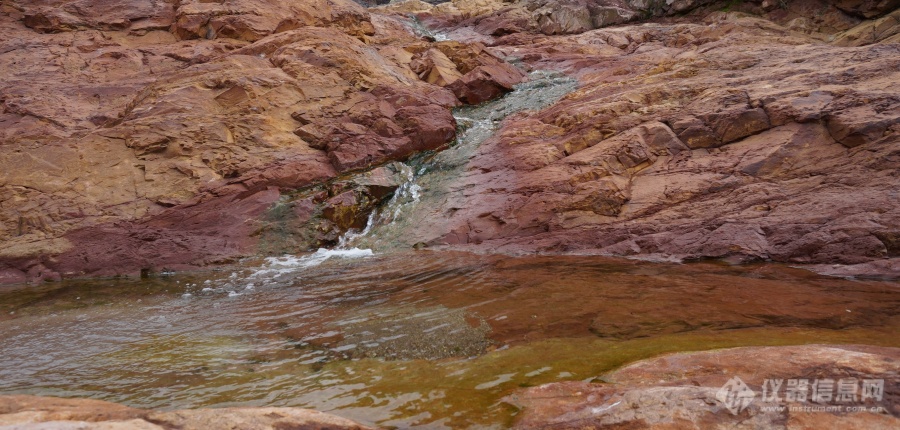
415,339
390,336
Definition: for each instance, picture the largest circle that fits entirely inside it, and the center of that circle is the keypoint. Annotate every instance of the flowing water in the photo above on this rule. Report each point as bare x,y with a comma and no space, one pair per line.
411,339
430,176
408,339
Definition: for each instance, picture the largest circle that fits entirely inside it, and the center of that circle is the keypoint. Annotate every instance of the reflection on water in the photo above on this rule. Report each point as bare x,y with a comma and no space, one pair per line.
412,339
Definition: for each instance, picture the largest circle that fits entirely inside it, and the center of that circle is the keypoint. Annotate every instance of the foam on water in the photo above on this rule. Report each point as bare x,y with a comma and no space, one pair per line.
276,271
430,177
291,263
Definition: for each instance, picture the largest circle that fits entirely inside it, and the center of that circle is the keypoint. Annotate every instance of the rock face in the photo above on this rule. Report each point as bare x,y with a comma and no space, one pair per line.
49,413
142,135
736,138
683,391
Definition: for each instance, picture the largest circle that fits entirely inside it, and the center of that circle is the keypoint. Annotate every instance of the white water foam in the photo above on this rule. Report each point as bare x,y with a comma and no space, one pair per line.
290,263
282,270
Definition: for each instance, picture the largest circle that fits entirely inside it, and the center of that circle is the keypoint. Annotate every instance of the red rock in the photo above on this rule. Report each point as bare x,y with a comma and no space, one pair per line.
484,83
708,134
867,8
575,178
31,412
50,16
681,391
253,20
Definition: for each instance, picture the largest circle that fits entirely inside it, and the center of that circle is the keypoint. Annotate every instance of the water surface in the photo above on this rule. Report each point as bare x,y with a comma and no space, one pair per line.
420,338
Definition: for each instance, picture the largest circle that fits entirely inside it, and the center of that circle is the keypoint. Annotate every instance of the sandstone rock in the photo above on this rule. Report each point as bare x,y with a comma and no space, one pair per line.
434,67
51,16
885,28
860,125
485,83
735,182
49,413
252,20
563,18
162,125
728,136
867,8
681,390
251,419
473,73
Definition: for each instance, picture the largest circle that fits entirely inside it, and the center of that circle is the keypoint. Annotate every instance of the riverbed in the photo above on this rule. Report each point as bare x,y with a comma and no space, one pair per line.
416,339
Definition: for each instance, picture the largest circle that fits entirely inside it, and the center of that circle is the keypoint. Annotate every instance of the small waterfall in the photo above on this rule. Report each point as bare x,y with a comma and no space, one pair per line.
429,174
408,192
422,31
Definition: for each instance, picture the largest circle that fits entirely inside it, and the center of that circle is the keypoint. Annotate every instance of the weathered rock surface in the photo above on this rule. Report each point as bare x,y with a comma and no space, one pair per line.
735,139
116,132
143,135
50,413
682,391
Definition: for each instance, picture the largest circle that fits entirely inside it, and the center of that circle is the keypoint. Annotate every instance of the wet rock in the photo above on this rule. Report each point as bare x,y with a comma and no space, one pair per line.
45,413
347,210
381,181
683,390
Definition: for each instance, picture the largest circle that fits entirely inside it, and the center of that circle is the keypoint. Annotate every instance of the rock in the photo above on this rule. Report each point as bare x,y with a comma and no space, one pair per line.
471,71
563,18
484,75
606,16
253,20
860,125
434,67
684,390
867,8
485,83
347,210
46,413
52,16
707,134
251,419
163,125
885,29
743,176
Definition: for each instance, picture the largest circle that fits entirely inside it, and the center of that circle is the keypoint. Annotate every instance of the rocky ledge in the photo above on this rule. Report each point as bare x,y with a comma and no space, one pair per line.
685,391
143,136
50,413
